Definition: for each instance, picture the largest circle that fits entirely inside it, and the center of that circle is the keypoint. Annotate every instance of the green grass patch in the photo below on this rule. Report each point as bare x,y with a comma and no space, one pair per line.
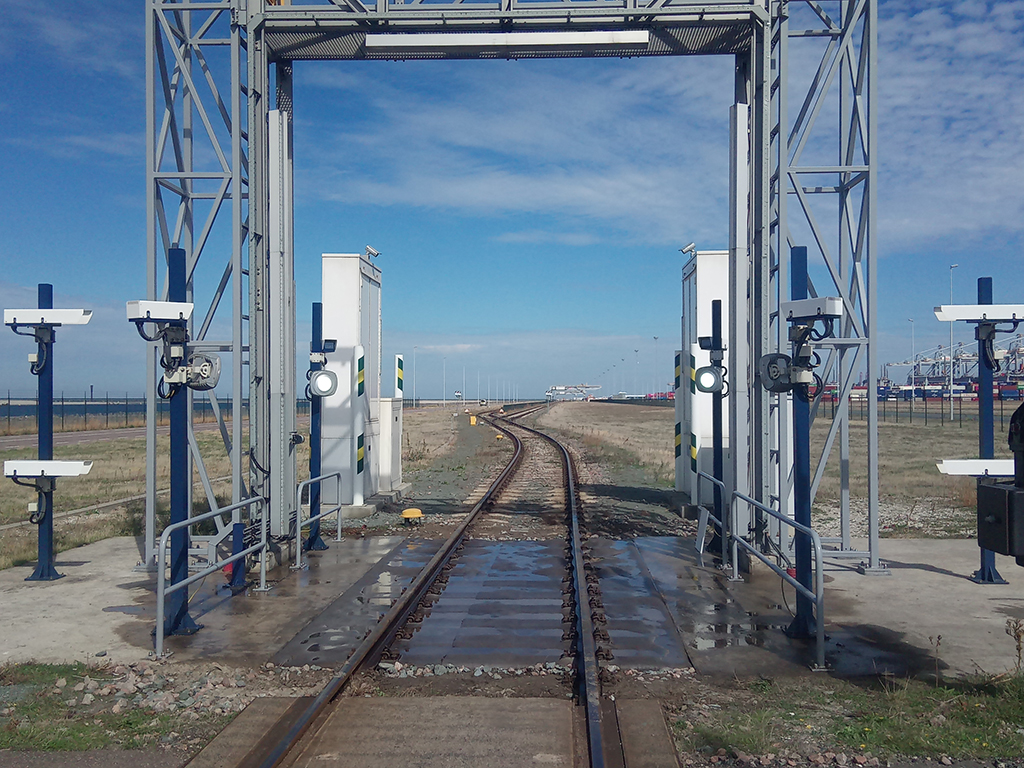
982,718
35,715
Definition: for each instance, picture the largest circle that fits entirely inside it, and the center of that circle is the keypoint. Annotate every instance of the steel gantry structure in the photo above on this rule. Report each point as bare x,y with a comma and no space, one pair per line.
219,165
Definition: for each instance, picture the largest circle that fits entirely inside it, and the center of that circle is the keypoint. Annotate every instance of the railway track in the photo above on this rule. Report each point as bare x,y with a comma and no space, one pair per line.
543,608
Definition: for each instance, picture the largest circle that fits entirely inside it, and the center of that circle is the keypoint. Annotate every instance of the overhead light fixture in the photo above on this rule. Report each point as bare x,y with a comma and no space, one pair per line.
505,40
709,379
323,383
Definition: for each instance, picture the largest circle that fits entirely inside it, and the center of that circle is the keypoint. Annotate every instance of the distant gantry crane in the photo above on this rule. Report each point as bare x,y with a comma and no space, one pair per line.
569,391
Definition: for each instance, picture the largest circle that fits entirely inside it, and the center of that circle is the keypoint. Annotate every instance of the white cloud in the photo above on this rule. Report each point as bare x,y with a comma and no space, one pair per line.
105,39
595,140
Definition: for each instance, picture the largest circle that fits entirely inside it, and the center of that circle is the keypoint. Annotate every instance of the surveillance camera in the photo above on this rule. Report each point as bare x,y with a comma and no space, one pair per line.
371,251
691,248
159,311
47,316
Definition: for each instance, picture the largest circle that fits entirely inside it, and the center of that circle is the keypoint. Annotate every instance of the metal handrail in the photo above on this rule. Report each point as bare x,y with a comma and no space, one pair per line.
818,594
300,523
706,513
161,577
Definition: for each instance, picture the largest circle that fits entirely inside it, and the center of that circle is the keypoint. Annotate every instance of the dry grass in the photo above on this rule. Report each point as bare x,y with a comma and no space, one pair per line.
906,459
646,433
427,433
118,472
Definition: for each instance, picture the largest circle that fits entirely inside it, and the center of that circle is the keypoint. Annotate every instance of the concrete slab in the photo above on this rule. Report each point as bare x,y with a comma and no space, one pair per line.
646,742
930,594
251,628
104,606
87,612
502,605
329,638
642,630
444,732
250,736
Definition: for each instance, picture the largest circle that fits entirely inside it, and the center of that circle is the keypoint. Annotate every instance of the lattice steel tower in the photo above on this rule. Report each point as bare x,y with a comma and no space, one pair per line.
219,166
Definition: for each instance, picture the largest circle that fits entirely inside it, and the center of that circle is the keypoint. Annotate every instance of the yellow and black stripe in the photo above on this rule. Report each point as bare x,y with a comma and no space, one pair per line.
693,452
360,453
693,374
360,377
401,375
679,370
679,440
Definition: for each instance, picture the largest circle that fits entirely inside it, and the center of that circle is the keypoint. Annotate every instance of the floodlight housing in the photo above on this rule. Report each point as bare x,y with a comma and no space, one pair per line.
52,317
820,308
159,311
980,313
976,467
709,379
323,383
34,469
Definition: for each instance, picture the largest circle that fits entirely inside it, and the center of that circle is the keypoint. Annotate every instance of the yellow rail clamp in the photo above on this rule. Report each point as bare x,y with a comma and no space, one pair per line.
472,421
499,437
412,515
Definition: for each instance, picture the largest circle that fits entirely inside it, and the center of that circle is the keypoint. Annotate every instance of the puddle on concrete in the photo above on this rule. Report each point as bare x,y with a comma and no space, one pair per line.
131,610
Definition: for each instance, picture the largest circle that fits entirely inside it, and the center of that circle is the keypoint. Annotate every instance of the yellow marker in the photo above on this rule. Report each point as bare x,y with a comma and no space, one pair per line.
499,437
412,515
472,421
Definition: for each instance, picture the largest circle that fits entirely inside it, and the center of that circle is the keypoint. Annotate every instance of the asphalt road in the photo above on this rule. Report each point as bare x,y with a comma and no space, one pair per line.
91,436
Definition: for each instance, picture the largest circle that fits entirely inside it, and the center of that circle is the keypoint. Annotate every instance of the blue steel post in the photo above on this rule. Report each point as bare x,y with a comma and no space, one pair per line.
315,543
803,624
176,618
987,573
46,569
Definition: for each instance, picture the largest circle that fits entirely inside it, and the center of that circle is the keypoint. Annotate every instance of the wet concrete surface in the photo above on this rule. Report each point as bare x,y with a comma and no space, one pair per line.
251,628
329,638
642,630
502,606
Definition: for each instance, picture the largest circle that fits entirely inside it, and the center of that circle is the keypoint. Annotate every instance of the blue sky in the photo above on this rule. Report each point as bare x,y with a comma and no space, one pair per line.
529,213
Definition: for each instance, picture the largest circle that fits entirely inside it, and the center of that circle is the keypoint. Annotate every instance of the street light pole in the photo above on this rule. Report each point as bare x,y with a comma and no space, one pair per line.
655,387
913,368
415,402
636,353
951,268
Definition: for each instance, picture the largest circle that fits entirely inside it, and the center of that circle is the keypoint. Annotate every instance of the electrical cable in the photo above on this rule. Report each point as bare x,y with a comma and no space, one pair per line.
40,363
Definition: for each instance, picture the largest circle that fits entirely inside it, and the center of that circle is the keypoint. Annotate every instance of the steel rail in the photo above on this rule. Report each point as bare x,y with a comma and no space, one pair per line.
386,628
587,645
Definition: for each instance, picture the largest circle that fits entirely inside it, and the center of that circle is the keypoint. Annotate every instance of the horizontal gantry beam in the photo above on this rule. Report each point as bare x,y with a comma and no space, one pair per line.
339,30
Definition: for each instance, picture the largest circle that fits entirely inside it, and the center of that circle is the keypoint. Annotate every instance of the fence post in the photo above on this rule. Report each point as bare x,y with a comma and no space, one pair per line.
126,409
61,411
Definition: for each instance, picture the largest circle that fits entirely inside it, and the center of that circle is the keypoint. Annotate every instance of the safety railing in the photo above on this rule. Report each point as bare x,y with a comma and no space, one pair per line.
162,590
817,595
705,515
300,523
